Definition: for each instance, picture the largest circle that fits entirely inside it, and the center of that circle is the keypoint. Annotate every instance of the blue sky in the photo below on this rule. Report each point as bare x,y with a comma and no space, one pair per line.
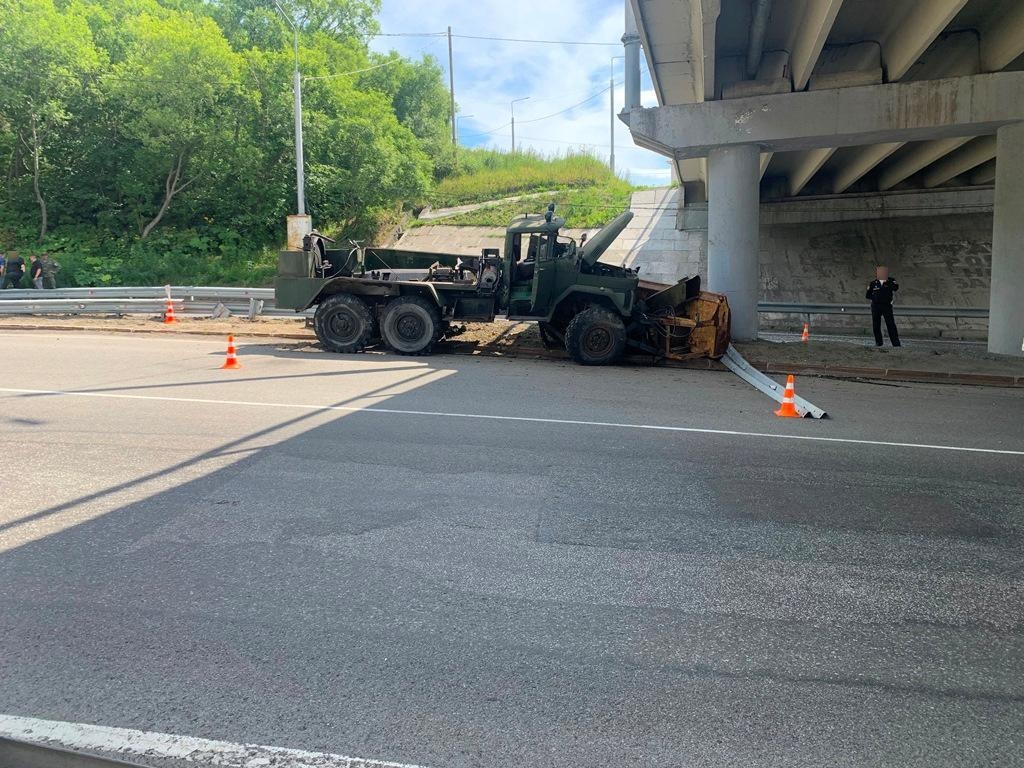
489,74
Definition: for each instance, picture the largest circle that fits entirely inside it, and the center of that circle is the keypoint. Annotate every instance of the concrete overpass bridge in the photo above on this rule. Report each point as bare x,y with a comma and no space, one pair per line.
775,101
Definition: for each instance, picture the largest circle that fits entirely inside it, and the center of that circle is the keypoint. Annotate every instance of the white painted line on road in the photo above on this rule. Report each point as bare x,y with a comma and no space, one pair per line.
527,419
136,336
128,743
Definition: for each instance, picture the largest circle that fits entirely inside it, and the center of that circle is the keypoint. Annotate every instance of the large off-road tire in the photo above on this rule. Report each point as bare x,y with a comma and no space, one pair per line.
410,325
343,323
595,337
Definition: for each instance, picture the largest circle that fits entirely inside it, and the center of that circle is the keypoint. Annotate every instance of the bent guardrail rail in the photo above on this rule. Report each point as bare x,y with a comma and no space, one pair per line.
736,363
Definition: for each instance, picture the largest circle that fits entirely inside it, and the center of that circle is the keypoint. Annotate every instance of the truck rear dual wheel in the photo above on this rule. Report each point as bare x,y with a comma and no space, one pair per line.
343,323
595,336
410,325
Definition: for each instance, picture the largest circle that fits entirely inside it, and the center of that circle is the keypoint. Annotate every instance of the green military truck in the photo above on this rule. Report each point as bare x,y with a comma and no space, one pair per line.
410,300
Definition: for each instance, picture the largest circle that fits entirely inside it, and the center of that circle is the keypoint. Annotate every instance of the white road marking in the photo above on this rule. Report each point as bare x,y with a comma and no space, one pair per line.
133,335
128,743
527,419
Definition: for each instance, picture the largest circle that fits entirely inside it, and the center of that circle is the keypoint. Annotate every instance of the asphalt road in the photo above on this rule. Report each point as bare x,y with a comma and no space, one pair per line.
633,566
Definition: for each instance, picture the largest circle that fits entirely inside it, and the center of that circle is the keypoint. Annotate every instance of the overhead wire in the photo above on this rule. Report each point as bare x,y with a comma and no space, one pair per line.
387,63
494,38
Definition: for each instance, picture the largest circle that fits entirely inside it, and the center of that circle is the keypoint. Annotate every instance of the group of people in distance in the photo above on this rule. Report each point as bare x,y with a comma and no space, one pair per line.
42,270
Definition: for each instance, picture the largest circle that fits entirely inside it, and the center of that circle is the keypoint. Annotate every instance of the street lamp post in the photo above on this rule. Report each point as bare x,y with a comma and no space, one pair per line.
512,106
611,92
300,172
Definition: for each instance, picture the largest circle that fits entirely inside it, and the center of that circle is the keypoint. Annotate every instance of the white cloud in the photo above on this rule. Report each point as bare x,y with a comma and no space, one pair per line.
489,73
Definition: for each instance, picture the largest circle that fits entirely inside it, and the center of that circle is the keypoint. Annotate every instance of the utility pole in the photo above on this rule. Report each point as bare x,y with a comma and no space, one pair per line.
300,173
512,106
451,89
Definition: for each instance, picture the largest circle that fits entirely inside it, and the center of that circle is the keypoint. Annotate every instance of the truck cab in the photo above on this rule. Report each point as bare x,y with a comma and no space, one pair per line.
537,259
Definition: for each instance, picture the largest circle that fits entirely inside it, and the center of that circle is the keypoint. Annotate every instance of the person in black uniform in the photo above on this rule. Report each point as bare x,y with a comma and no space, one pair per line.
880,292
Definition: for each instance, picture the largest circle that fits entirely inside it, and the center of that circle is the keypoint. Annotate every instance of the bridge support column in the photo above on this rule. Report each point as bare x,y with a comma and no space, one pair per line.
1006,298
733,233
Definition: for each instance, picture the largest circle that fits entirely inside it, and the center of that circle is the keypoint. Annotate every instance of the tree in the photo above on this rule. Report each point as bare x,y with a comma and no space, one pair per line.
176,89
417,92
48,58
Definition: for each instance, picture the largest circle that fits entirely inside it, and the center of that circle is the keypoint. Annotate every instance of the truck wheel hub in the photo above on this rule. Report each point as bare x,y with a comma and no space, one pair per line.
597,341
343,326
410,327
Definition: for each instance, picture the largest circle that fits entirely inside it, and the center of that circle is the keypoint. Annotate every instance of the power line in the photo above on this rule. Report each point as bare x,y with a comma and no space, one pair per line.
488,133
387,63
496,39
544,42
409,34
589,98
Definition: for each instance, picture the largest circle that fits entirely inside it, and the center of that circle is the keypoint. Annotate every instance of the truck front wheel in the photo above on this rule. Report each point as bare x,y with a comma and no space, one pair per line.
595,337
343,323
410,325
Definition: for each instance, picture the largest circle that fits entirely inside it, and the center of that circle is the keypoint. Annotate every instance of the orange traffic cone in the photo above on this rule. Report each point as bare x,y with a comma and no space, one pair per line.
232,360
788,408
807,332
169,312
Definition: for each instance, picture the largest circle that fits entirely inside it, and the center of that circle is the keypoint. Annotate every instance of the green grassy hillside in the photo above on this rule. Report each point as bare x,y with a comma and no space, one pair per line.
581,185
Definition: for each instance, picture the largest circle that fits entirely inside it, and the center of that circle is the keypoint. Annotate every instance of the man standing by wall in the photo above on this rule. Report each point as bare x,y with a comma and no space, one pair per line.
14,270
880,292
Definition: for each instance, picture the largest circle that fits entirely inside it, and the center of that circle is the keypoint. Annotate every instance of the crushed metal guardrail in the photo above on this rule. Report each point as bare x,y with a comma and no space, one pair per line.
736,363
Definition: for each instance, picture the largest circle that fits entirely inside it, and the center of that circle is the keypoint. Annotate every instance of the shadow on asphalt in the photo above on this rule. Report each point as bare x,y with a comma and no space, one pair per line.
458,593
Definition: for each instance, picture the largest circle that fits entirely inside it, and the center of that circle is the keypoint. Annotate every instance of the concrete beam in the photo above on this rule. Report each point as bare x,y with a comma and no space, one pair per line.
816,23
917,159
1002,40
964,159
983,174
678,39
956,56
709,12
808,165
881,114
919,28
850,79
766,159
862,160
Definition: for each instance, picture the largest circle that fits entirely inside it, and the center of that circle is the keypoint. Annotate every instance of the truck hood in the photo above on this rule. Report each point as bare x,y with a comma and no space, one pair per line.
600,242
